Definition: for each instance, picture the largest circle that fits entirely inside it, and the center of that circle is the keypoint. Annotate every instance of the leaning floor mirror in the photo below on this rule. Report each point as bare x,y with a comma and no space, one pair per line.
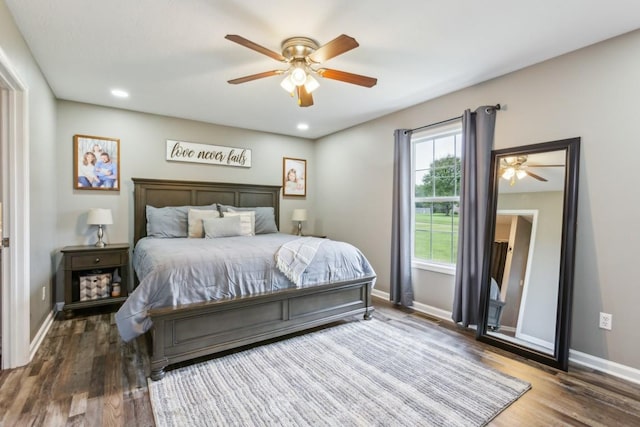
529,260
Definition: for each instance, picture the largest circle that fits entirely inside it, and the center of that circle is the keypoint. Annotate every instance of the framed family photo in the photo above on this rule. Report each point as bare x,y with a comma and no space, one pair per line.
96,163
294,177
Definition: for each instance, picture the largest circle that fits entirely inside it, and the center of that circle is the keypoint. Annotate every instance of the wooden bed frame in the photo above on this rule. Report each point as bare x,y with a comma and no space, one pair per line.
195,330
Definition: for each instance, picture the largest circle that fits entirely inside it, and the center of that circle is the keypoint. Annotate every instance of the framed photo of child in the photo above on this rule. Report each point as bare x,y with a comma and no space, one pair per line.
96,163
294,177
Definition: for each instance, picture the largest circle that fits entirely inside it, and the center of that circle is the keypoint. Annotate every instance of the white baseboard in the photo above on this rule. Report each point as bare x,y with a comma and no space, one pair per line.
607,366
42,333
433,311
422,308
537,341
579,358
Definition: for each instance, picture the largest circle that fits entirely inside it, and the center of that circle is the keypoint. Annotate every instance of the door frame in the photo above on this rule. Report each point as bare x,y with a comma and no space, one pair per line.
533,213
14,146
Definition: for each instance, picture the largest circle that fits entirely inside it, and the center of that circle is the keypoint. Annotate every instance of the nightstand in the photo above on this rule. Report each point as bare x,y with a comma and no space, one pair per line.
89,272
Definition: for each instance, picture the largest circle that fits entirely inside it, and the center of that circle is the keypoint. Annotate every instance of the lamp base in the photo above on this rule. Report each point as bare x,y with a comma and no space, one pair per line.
299,228
100,243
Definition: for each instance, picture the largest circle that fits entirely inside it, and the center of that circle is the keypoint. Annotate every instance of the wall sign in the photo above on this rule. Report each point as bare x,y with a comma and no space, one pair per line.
182,151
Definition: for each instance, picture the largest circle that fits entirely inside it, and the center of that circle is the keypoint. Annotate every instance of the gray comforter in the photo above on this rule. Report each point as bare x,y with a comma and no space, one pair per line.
180,271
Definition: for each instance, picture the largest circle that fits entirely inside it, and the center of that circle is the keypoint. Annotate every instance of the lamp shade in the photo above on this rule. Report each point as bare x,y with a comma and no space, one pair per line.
99,216
299,215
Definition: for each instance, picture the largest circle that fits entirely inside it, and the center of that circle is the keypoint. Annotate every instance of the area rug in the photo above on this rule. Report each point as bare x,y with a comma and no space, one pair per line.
362,373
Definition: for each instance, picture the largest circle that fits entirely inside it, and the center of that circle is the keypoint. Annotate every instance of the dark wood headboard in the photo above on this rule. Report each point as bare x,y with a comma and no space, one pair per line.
162,192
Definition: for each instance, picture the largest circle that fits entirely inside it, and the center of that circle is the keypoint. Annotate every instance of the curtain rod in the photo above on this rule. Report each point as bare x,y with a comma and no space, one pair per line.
495,107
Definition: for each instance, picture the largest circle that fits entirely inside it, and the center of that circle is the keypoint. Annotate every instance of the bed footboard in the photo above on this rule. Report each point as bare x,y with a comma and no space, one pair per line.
196,330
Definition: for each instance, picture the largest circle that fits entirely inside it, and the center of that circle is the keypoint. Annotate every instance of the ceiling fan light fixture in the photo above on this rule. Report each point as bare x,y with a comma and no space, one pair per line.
311,84
288,85
508,173
302,55
521,173
298,76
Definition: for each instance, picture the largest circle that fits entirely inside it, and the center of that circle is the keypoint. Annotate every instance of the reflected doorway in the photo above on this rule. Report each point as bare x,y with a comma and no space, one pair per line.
512,250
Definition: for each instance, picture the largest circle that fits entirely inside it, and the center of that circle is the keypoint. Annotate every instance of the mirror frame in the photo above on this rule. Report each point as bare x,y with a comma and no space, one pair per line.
560,357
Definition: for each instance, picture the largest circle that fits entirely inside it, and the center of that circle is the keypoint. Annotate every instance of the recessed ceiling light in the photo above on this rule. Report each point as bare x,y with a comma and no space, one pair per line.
303,126
119,93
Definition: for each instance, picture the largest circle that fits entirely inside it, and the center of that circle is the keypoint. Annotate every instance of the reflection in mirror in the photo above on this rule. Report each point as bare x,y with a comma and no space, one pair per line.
529,259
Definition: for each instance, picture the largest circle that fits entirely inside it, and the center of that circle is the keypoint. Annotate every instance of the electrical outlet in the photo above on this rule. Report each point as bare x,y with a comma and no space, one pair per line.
44,292
605,321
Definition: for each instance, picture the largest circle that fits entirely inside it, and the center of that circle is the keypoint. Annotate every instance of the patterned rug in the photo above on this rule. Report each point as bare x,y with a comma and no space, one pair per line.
361,373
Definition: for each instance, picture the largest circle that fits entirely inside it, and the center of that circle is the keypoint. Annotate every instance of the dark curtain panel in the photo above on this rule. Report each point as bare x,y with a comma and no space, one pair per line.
401,291
477,142
498,259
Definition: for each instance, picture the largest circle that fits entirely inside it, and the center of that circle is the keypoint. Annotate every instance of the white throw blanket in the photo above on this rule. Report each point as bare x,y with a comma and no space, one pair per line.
294,257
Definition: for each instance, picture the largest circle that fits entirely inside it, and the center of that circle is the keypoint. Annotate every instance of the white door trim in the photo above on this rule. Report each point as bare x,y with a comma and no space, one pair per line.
14,143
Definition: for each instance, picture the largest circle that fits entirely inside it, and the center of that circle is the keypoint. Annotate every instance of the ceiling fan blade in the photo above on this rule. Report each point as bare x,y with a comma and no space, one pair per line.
545,166
255,77
534,176
305,99
251,45
335,47
343,76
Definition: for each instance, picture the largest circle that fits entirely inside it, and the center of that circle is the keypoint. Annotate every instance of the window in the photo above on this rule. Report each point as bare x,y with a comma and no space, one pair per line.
437,168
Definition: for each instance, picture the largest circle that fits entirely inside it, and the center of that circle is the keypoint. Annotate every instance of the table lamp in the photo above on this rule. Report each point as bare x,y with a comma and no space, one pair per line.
299,215
100,217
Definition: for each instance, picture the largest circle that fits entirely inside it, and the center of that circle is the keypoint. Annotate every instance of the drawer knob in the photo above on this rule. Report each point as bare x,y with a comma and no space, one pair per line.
97,260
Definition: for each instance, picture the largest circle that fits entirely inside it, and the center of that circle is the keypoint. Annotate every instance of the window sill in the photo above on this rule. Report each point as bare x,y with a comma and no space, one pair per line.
436,268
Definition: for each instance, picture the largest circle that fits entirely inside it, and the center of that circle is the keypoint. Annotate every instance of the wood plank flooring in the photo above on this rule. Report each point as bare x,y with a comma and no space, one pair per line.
84,375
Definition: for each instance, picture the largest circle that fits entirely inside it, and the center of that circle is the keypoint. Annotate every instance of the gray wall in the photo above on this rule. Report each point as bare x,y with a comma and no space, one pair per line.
43,185
142,155
591,93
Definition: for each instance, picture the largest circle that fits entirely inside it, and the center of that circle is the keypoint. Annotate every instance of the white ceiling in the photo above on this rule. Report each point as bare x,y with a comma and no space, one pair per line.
172,57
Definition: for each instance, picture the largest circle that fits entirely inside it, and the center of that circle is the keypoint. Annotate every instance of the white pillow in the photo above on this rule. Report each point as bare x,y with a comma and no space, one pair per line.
222,227
265,217
247,221
196,229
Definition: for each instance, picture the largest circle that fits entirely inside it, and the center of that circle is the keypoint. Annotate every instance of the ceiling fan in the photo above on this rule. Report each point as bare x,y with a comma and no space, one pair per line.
513,167
303,57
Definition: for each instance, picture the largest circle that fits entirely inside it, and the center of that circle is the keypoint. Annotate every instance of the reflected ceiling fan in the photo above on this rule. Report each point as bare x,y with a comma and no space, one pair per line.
513,167
303,57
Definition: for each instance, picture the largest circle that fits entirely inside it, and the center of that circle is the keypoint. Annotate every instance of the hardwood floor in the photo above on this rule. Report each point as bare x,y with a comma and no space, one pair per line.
83,374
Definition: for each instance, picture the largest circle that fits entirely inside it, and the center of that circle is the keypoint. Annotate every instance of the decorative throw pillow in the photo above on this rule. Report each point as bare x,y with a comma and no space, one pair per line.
265,221
247,221
196,216
222,227
170,221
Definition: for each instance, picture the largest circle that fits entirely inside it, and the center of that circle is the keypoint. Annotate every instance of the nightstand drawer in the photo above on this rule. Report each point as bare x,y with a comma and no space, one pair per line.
96,260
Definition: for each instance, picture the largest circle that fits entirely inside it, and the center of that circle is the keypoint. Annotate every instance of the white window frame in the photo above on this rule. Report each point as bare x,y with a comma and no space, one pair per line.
435,132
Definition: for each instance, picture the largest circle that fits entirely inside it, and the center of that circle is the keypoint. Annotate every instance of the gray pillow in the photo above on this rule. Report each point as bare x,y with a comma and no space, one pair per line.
265,217
170,221
222,227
